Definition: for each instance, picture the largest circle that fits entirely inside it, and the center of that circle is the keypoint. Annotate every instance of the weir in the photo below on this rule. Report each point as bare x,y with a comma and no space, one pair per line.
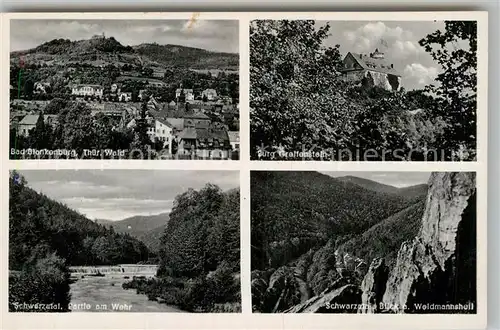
130,270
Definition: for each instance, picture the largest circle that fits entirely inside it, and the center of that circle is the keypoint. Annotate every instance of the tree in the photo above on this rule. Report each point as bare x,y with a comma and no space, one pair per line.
141,140
289,71
75,128
55,106
41,136
456,91
29,87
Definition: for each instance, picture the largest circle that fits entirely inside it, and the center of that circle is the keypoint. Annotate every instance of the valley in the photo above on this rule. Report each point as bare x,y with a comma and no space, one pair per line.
319,241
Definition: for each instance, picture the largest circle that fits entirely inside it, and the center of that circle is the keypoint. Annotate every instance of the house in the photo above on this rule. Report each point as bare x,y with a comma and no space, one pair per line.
371,70
141,94
159,130
159,73
210,94
226,100
29,122
212,142
196,119
116,116
164,132
41,87
188,94
125,97
87,90
177,124
115,89
234,139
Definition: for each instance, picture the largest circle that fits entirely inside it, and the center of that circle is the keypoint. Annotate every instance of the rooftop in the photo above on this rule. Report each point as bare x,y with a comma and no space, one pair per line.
373,62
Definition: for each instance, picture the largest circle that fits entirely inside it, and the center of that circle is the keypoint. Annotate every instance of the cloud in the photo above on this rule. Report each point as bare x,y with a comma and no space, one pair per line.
398,42
420,74
117,194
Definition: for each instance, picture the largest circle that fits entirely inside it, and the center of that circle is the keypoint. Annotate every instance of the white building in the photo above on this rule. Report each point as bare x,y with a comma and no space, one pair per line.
125,97
163,131
234,139
87,90
188,93
210,93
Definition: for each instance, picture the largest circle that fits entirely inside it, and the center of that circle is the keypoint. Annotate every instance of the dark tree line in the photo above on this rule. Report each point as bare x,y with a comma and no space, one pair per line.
199,253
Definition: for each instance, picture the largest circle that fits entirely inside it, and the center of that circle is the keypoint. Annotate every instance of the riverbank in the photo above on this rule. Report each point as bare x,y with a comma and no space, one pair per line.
219,293
105,294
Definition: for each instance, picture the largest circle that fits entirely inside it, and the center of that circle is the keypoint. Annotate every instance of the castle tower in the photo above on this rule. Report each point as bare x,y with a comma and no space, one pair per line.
377,54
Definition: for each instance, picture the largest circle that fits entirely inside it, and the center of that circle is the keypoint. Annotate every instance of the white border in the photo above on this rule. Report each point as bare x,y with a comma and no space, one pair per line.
246,320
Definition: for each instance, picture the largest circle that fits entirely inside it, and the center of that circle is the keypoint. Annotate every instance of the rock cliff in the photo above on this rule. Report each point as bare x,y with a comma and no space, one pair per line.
439,265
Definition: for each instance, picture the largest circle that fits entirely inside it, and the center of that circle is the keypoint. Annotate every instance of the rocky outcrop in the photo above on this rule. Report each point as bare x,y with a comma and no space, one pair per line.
373,286
387,81
439,265
342,300
322,271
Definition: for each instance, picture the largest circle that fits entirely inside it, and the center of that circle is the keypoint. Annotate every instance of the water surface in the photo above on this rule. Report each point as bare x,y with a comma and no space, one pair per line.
105,294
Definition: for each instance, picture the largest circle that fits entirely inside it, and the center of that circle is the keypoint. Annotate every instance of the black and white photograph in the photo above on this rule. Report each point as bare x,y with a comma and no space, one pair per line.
363,242
363,90
161,241
124,89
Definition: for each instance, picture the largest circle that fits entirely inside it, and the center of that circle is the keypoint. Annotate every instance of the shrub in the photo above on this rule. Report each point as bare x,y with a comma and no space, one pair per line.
42,287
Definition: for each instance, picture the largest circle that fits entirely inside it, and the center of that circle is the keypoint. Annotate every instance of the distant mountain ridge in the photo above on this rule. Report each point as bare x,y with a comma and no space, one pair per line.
410,191
146,228
110,51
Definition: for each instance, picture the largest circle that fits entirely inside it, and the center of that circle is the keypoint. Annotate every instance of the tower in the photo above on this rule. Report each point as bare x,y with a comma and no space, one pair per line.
377,54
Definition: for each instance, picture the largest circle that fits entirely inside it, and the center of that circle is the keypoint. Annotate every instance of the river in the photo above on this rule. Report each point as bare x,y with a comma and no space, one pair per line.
105,294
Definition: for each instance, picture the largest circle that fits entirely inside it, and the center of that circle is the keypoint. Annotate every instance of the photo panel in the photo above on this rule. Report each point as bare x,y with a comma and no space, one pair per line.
363,242
124,89
367,90
136,241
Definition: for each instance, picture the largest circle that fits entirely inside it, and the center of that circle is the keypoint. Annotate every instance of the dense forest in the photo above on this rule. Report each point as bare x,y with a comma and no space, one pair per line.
45,237
307,225
199,267
298,101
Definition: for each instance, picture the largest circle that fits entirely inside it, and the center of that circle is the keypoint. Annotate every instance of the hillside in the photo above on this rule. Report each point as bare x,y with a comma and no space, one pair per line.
139,224
310,231
369,184
410,191
414,191
104,51
39,226
147,229
152,238
385,238
295,211
187,57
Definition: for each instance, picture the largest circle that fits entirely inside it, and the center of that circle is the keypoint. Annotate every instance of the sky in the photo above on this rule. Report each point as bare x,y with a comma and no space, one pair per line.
215,35
119,194
395,179
400,45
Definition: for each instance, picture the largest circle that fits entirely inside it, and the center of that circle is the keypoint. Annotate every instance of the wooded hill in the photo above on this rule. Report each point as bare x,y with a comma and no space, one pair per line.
307,225
111,51
39,226
310,208
146,228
